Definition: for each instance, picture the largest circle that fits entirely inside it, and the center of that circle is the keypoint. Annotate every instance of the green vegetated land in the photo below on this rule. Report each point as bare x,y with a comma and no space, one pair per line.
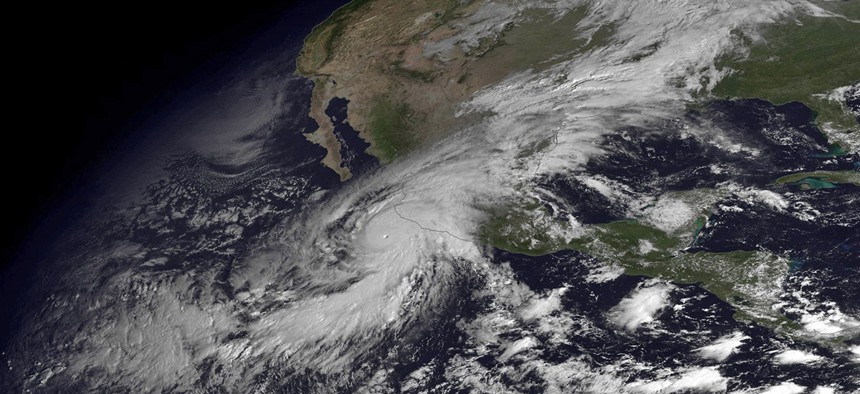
388,126
798,59
520,228
540,41
746,279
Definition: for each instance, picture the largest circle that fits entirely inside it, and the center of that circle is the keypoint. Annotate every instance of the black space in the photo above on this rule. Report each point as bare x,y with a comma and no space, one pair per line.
81,78
84,74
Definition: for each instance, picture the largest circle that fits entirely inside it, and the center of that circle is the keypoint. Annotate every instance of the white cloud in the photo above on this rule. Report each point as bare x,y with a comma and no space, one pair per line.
704,380
645,247
518,346
821,318
769,198
723,347
669,214
540,307
641,305
792,356
785,388
604,273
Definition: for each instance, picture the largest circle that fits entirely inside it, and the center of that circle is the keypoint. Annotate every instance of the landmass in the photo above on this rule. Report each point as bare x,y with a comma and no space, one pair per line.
821,178
405,67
